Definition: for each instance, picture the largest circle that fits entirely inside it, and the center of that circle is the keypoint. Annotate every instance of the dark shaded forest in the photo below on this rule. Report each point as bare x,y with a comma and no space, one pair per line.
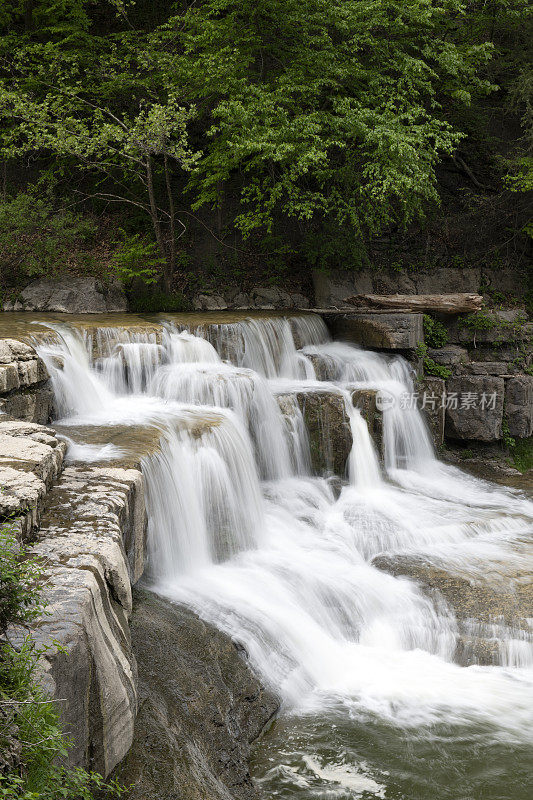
185,146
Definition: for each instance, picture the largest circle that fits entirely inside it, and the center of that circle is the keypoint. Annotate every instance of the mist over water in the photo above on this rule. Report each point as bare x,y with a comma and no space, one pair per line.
380,685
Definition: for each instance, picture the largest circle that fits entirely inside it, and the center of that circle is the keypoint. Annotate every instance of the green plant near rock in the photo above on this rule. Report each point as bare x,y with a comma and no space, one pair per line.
33,748
435,333
508,440
522,454
430,366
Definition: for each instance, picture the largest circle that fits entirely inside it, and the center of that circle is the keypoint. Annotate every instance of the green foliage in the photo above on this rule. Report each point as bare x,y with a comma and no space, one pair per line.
137,258
329,109
18,580
32,745
479,321
435,334
37,237
522,454
508,440
152,302
430,366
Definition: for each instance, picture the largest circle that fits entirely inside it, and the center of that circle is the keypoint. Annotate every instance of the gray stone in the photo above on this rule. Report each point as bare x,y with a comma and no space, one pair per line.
430,401
209,302
70,295
331,288
479,421
446,280
509,280
519,405
270,297
298,300
450,355
490,368
91,542
382,331
200,708
34,405
31,458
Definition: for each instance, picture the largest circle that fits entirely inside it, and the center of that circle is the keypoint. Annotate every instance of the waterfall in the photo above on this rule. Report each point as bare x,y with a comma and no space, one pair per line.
283,559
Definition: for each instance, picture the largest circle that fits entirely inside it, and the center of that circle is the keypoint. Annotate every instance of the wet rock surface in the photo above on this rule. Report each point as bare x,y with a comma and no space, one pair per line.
200,708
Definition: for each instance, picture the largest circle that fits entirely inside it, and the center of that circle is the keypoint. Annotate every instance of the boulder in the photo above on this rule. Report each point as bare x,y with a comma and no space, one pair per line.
209,302
377,330
474,407
270,297
519,405
200,708
70,295
24,389
503,368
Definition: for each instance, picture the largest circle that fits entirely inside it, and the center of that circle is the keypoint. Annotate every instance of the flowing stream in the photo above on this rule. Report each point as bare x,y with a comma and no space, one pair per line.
386,687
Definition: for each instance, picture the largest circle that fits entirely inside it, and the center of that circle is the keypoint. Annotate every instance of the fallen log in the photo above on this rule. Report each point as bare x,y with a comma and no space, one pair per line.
458,303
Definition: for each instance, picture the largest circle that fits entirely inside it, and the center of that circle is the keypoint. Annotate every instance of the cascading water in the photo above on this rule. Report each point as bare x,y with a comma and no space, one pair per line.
368,666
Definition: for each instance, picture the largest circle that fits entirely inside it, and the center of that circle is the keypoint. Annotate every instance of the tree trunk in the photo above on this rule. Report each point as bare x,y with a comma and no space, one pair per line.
156,222
459,303
172,212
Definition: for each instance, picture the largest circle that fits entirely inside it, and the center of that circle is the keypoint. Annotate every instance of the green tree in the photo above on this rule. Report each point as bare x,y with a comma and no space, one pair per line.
101,103
331,110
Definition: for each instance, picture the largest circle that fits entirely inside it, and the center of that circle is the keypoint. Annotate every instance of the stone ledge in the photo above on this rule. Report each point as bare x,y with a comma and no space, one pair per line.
92,544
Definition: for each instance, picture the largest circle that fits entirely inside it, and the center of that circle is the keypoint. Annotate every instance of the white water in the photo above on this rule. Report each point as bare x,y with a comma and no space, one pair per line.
243,533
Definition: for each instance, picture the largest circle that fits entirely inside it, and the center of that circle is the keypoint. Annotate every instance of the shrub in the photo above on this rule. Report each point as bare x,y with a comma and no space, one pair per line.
38,238
137,258
430,366
435,333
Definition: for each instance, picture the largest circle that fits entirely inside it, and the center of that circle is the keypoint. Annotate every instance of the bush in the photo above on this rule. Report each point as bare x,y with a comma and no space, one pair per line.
430,366
137,258
33,748
435,333
37,238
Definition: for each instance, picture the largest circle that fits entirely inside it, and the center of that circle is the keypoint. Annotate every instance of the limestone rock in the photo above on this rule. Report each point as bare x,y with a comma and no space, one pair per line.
91,545
31,458
209,302
519,405
270,297
70,295
200,707
479,419
375,330
450,355
482,605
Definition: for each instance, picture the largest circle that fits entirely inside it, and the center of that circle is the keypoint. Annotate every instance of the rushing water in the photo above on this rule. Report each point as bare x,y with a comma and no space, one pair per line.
383,692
